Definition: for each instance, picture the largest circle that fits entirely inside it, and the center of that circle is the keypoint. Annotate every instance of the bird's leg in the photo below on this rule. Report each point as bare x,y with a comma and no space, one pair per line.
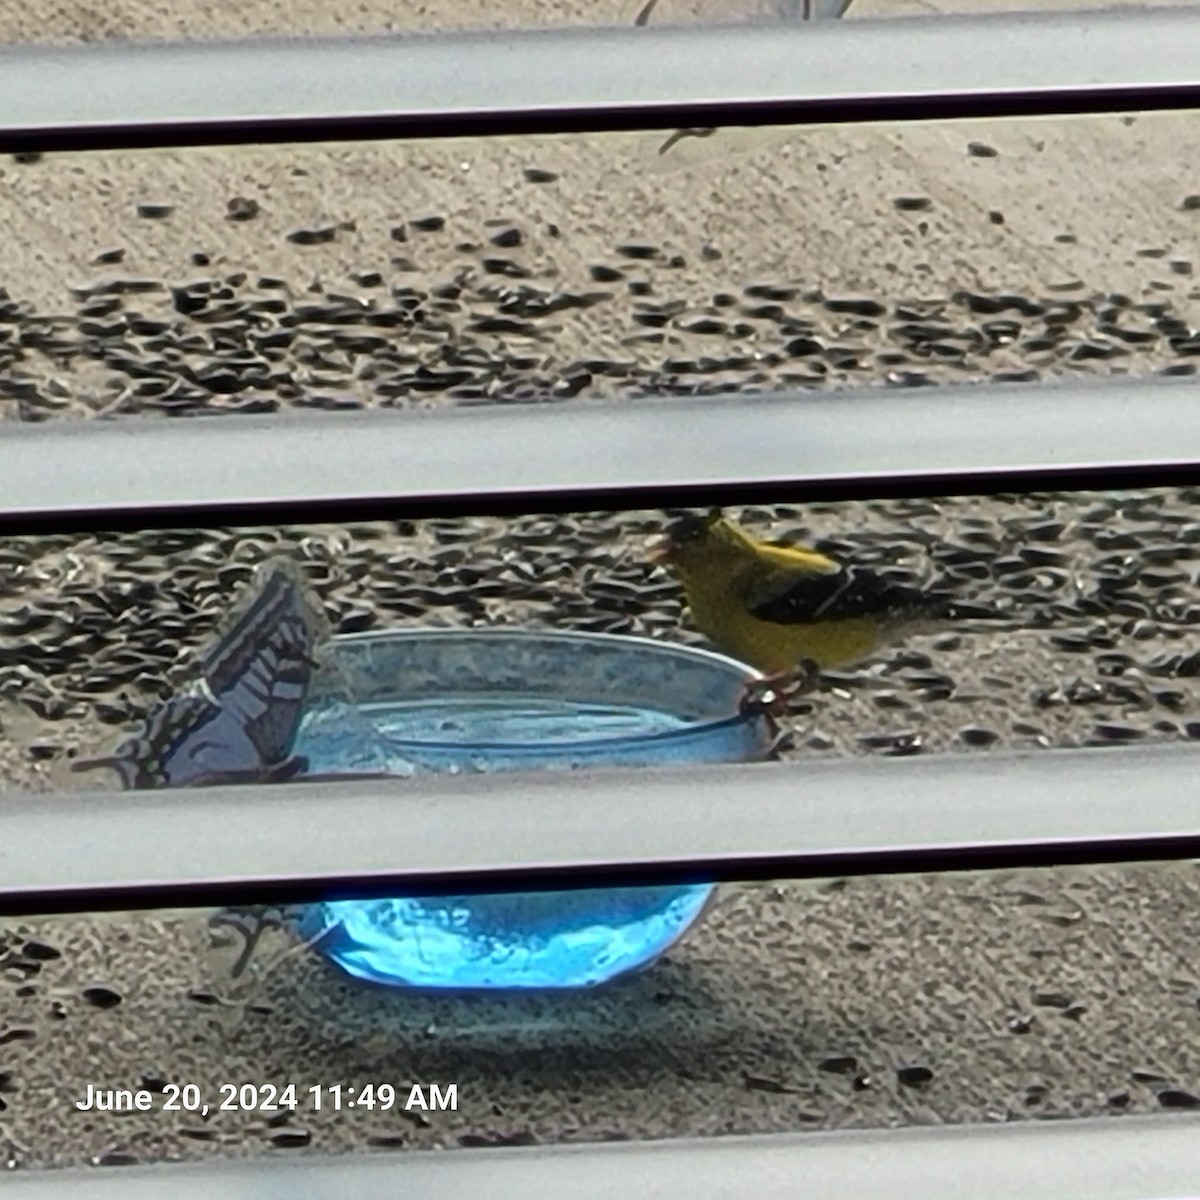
773,693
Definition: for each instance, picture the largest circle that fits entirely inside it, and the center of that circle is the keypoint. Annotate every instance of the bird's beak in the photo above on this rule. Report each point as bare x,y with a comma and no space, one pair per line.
659,548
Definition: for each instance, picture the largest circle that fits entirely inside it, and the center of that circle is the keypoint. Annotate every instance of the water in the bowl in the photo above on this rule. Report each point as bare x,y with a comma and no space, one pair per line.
338,738
570,939
531,720
465,701
508,732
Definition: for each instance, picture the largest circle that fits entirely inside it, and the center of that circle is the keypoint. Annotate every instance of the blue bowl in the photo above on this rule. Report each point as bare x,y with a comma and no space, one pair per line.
521,941
449,701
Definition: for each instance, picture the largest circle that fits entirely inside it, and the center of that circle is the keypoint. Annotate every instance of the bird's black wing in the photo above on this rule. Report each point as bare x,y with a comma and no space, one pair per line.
806,598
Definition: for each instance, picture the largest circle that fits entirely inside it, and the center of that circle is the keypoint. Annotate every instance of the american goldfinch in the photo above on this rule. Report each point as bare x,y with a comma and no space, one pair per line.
790,611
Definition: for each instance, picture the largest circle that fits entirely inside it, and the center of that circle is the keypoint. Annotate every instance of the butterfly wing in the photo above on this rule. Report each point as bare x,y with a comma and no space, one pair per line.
187,740
239,721
260,670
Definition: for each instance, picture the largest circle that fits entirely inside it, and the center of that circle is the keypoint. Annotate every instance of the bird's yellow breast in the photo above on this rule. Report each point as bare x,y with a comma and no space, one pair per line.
774,647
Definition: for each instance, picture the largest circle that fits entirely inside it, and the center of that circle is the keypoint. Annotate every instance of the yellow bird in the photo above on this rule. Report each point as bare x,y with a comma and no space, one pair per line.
790,611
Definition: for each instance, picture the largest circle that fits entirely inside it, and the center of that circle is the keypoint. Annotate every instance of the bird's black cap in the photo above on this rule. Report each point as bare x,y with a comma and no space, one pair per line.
689,526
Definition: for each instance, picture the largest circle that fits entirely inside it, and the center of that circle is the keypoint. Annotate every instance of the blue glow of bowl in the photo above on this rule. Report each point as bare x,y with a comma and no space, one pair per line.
451,701
572,939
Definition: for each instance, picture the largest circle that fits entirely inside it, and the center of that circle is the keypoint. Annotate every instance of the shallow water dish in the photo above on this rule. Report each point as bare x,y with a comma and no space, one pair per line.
433,700
451,700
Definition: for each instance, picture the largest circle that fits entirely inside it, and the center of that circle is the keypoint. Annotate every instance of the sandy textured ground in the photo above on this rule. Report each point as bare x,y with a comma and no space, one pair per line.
1039,994
623,273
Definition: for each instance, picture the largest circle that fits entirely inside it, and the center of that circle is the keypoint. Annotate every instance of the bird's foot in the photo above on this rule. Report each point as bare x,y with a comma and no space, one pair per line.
772,694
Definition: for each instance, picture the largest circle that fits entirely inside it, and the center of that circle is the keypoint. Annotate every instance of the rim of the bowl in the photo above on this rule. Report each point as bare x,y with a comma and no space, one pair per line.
586,745
484,633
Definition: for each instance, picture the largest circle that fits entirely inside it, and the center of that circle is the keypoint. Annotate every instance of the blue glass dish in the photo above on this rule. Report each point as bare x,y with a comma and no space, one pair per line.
529,940
450,701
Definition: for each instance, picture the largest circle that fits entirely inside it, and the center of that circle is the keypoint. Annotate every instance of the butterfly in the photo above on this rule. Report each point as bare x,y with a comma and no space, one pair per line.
238,721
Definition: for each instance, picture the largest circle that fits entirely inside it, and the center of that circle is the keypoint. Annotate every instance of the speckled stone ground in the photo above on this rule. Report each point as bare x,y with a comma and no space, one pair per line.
474,273
424,273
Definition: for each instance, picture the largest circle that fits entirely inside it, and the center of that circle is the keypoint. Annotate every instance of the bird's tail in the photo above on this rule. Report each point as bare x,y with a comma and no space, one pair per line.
963,610
943,607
